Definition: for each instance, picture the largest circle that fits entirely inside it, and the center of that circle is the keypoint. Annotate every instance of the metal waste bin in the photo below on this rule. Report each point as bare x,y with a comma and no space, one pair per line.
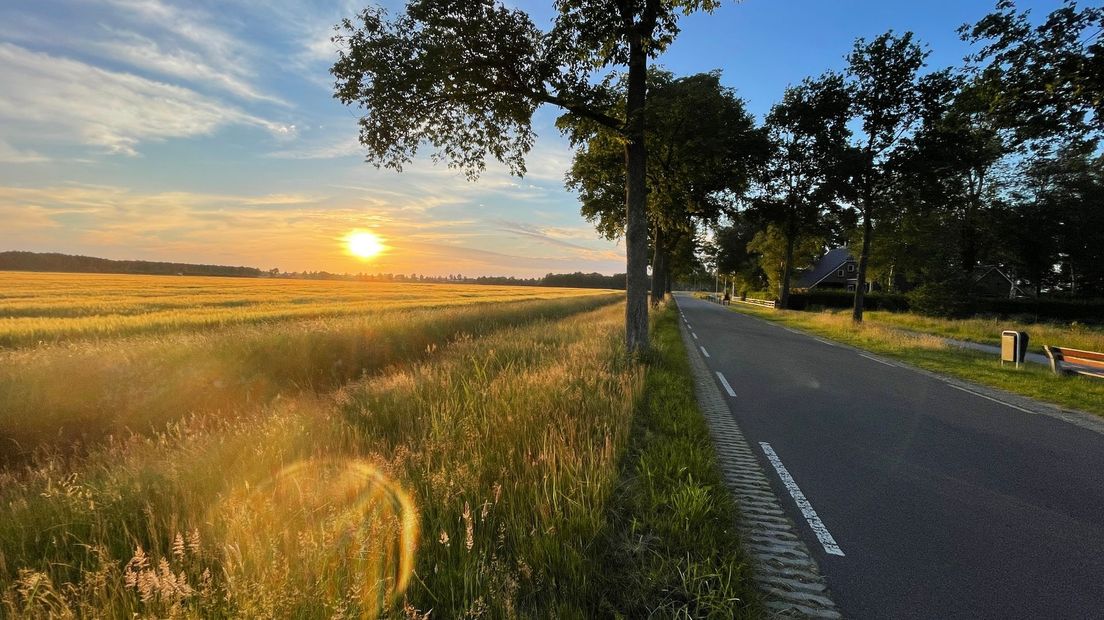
1013,347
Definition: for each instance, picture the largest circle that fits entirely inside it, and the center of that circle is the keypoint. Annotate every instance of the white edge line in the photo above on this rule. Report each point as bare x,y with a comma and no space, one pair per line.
831,344
727,387
803,504
991,398
874,359
704,352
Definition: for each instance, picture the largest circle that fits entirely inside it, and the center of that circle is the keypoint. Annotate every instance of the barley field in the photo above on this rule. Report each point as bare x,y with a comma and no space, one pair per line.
38,308
341,450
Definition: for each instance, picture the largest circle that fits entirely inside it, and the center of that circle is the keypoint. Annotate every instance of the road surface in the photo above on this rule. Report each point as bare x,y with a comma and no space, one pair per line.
943,503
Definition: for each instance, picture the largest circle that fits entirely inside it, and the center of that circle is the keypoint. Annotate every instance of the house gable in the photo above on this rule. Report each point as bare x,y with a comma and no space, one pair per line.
833,270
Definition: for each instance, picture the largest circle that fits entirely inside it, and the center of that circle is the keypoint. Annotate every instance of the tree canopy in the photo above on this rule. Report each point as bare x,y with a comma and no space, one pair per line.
466,76
803,175
703,148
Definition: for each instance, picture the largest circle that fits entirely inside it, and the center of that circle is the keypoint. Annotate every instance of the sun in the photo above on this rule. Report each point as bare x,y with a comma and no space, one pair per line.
363,244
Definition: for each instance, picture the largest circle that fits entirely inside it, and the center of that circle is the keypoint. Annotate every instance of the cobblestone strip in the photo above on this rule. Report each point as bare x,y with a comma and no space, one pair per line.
785,571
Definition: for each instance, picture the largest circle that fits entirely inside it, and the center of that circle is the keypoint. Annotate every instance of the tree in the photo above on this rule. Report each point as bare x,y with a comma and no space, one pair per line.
887,97
808,136
467,75
703,145
730,255
776,250
1047,80
1057,222
947,182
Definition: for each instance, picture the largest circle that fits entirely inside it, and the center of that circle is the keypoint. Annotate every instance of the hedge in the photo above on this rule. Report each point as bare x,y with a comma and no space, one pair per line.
816,300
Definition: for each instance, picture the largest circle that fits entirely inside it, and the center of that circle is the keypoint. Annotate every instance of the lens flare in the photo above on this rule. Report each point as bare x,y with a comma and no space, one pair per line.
339,528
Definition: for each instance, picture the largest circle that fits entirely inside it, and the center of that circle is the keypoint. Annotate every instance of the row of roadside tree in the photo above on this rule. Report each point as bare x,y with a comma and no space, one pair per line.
925,173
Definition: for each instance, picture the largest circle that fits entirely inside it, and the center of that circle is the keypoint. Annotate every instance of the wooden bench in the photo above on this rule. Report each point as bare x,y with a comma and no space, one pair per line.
1068,361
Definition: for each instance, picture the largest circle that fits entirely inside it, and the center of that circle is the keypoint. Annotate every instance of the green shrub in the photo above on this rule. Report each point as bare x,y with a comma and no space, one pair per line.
941,299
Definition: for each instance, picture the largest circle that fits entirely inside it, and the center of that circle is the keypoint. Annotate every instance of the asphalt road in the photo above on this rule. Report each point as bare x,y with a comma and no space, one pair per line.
944,504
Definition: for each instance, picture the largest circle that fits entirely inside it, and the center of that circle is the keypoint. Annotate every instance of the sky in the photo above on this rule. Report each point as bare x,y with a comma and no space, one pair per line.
205,131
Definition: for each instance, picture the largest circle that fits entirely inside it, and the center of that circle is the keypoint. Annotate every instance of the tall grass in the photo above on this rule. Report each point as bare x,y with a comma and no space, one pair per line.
529,471
672,549
79,393
505,446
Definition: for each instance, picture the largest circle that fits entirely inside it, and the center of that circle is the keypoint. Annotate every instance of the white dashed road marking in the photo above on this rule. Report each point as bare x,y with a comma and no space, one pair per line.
990,398
822,533
694,335
727,387
874,359
704,352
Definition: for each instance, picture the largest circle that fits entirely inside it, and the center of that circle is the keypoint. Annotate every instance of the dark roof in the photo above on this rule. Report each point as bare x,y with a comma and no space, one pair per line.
983,271
824,267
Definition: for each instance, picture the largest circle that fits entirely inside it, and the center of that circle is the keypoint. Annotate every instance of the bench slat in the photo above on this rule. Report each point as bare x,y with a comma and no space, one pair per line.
1078,353
1076,361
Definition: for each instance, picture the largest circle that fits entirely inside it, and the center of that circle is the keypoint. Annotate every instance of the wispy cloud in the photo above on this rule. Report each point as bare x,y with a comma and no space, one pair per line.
538,233
301,232
334,148
283,184
69,100
12,155
168,42
191,66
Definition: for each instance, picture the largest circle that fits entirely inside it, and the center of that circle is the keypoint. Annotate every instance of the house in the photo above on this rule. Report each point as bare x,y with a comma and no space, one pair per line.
835,270
990,281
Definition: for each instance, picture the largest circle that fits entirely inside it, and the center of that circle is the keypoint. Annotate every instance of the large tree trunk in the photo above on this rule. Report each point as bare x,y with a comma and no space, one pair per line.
787,267
968,236
636,217
659,266
864,257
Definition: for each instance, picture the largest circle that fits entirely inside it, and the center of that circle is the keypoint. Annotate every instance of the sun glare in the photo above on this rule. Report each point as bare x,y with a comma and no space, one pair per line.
364,244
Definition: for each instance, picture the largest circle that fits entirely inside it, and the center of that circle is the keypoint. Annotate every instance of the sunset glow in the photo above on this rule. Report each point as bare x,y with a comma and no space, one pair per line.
363,244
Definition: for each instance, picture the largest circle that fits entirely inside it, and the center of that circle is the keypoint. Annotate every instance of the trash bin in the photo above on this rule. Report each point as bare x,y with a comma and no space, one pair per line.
1013,347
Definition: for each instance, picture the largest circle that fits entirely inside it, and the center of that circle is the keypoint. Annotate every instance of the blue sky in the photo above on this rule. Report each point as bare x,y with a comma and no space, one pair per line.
204,131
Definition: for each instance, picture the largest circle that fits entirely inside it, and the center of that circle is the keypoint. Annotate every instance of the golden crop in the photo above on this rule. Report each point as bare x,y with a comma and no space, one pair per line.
47,308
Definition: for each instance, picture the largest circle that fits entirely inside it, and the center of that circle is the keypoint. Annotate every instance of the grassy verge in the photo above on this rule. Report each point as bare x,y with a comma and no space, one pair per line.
672,548
987,331
930,353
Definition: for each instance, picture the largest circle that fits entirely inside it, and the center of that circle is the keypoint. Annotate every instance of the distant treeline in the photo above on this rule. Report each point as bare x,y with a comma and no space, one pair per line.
570,280
67,263
52,261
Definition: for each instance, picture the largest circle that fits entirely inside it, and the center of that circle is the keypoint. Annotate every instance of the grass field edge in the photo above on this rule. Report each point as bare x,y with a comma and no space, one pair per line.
672,547
961,377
